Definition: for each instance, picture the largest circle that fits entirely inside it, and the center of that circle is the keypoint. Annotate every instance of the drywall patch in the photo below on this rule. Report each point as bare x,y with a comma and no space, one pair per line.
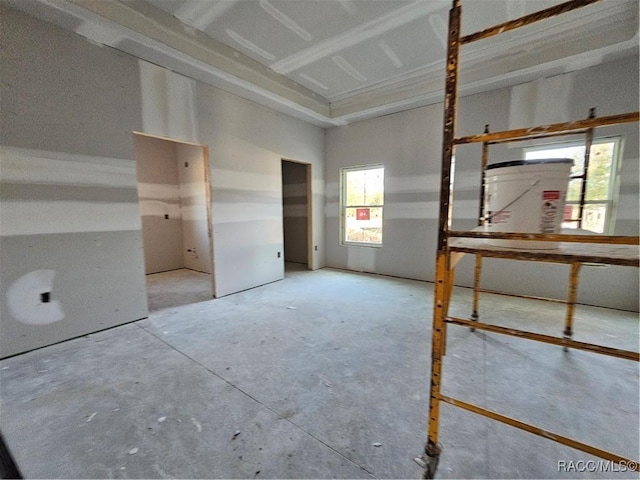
30,299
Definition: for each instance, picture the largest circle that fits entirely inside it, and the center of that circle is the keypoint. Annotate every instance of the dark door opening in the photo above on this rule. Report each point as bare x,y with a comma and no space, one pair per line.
296,208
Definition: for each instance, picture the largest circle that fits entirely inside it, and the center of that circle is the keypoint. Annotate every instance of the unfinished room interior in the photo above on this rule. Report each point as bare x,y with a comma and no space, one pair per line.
319,239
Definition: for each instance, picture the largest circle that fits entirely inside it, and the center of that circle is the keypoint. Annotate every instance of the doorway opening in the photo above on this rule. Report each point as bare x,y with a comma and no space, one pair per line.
296,215
174,196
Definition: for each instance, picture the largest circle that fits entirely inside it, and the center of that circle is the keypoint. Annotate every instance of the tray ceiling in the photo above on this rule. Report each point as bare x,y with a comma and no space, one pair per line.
335,61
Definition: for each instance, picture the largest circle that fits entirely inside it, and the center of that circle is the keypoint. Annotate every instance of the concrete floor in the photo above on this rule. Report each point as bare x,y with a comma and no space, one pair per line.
300,378
178,287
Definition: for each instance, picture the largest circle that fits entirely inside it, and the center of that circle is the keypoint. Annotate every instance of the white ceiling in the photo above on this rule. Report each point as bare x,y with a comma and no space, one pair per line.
330,47
335,61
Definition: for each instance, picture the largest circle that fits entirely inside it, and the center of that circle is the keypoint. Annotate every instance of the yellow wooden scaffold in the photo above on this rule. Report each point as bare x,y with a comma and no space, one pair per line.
573,250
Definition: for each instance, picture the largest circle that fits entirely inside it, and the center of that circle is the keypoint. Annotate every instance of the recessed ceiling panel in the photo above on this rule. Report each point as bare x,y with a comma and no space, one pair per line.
390,55
324,19
374,61
272,30
247,27
418,44
327,73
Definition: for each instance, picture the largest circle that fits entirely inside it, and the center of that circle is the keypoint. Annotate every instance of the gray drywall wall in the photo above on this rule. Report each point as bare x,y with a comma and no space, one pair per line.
294,208
55,82
66,122
159,200
88,276
193,206
409,144
72,260
246,144
173,205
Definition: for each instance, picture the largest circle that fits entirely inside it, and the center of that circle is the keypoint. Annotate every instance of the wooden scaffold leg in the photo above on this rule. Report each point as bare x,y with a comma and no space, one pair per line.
476,289
447,301
429,459
571,301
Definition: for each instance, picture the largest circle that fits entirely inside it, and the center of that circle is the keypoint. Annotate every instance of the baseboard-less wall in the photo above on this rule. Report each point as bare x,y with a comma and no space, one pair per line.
69,208
70,238
100,270
409,144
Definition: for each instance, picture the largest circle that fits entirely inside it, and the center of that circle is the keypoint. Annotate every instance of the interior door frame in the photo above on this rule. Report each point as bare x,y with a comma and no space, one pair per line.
309,177
207,182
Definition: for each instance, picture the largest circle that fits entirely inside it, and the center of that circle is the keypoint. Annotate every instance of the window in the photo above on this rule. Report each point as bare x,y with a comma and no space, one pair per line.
595,212
362,203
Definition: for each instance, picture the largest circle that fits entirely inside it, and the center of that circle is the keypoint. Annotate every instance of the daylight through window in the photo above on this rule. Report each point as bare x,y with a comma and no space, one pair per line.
362,201
597,207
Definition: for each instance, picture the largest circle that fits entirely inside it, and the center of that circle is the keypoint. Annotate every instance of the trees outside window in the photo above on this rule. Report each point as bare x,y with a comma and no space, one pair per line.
599,201
362,205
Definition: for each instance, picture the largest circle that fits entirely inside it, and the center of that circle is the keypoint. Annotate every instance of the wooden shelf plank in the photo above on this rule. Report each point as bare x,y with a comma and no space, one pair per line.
565,252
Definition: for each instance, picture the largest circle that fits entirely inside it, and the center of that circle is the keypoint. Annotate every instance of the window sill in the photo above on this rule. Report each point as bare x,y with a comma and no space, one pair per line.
361,244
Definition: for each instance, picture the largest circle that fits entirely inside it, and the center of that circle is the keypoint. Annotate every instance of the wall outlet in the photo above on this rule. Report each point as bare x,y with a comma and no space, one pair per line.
316,248
278,254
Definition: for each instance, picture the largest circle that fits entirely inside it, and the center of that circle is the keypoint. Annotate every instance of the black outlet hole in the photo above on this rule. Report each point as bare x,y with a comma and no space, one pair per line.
166,217
45,297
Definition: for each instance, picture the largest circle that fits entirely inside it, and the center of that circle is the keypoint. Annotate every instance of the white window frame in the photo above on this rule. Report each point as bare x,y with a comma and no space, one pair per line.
343,206
614,184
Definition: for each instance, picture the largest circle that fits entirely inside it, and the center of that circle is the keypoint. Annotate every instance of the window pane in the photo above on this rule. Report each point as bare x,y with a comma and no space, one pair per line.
363,225
599,182
355,190
573,191
599,175
571,212
575,152
364,187
594,217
